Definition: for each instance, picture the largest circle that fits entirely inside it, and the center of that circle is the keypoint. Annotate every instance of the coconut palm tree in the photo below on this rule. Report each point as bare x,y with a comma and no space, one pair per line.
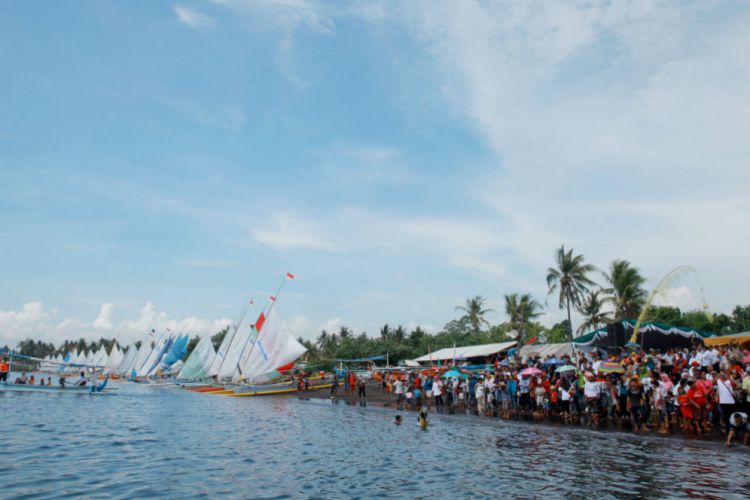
626,290
520,310
591,309
570,279
474,311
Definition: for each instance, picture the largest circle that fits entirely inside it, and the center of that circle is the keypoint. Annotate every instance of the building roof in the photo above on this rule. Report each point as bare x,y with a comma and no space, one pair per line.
467,352
740,338
544,350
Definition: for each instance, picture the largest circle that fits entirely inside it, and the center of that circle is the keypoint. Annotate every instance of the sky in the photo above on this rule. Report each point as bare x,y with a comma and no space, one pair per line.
162,163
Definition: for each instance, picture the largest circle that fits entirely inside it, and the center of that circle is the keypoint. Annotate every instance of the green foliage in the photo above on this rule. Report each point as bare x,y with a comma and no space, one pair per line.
593,316
722,324
626,290
570,279
218,338
190,346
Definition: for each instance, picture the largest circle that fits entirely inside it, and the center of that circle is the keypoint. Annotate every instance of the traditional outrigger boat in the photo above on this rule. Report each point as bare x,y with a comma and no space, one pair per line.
91,388
67,389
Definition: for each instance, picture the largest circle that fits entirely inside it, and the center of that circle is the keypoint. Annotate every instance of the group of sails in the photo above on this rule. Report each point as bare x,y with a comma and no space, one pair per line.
256,353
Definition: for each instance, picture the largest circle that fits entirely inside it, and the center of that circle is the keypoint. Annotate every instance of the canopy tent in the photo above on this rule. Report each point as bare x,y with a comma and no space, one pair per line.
362,360
545,350
466,352
651,335
738,338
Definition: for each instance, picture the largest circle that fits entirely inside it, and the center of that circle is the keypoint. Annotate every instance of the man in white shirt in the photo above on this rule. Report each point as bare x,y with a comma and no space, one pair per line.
726,398
437,391
592,390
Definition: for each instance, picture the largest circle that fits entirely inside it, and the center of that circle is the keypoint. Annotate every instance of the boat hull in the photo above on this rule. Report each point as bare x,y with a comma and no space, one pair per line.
44,388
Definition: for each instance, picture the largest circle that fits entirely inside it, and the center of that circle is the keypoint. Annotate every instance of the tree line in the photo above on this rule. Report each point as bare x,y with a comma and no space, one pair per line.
571,282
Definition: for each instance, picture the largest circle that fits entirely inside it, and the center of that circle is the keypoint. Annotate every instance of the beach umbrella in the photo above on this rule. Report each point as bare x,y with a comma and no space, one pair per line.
503,363
531,371
553,361
565,368
609,367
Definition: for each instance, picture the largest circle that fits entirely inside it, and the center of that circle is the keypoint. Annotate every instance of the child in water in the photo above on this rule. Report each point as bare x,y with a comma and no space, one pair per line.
422,418
397,420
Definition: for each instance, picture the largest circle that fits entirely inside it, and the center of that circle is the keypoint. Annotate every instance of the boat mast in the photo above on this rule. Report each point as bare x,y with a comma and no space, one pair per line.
234,333
271,302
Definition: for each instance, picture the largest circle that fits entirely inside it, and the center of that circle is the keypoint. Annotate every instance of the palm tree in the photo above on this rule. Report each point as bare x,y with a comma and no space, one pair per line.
521,310
591,308
570,279
475,311
626,291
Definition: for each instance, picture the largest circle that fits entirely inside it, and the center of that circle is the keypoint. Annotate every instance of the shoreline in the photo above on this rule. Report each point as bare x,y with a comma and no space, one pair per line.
377,398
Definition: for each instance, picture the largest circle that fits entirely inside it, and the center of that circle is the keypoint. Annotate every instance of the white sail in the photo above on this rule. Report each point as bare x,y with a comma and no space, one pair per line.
220,355
232,358
153,358
199,362
141,355
100,357
274,348
176,367
128,360
113,360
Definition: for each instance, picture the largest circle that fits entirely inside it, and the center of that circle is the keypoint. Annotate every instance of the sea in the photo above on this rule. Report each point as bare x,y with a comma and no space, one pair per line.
147,442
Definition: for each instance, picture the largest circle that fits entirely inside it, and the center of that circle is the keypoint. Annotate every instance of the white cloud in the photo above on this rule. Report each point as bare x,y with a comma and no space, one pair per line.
288,230
104,321
299,326
192,18
331,326
34,321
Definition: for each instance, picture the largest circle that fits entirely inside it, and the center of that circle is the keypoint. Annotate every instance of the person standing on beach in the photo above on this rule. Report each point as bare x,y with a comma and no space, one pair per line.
437,391
361,387
334,384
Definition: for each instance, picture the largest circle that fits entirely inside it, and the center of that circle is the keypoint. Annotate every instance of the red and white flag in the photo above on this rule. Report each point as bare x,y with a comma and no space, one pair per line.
252,302
290,276
273,299
259,322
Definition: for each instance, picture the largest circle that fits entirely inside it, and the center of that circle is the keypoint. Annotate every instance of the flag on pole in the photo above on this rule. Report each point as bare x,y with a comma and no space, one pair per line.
273,299
531,341
259,322
252,302
290,276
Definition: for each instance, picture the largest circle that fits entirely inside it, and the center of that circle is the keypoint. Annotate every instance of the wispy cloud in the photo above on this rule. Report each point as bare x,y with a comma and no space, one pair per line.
193,18
288,230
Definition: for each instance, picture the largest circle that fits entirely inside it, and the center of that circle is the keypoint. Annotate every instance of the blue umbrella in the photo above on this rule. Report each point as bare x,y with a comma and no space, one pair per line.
554,362
454,373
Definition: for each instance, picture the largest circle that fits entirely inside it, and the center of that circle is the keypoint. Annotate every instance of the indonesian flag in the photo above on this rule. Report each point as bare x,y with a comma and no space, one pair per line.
290,276
259,322
252,302
273,299
531,341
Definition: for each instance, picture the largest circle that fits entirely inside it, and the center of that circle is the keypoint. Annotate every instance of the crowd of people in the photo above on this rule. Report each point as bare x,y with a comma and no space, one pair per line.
696,391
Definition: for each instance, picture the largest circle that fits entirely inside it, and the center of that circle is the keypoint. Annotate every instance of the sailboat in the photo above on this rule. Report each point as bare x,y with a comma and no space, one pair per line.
275,347
199,362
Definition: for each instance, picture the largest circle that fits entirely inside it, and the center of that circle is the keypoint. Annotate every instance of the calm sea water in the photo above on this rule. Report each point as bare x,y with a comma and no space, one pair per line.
148,442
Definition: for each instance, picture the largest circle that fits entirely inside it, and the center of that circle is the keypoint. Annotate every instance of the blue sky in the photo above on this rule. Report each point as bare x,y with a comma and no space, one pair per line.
163,162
